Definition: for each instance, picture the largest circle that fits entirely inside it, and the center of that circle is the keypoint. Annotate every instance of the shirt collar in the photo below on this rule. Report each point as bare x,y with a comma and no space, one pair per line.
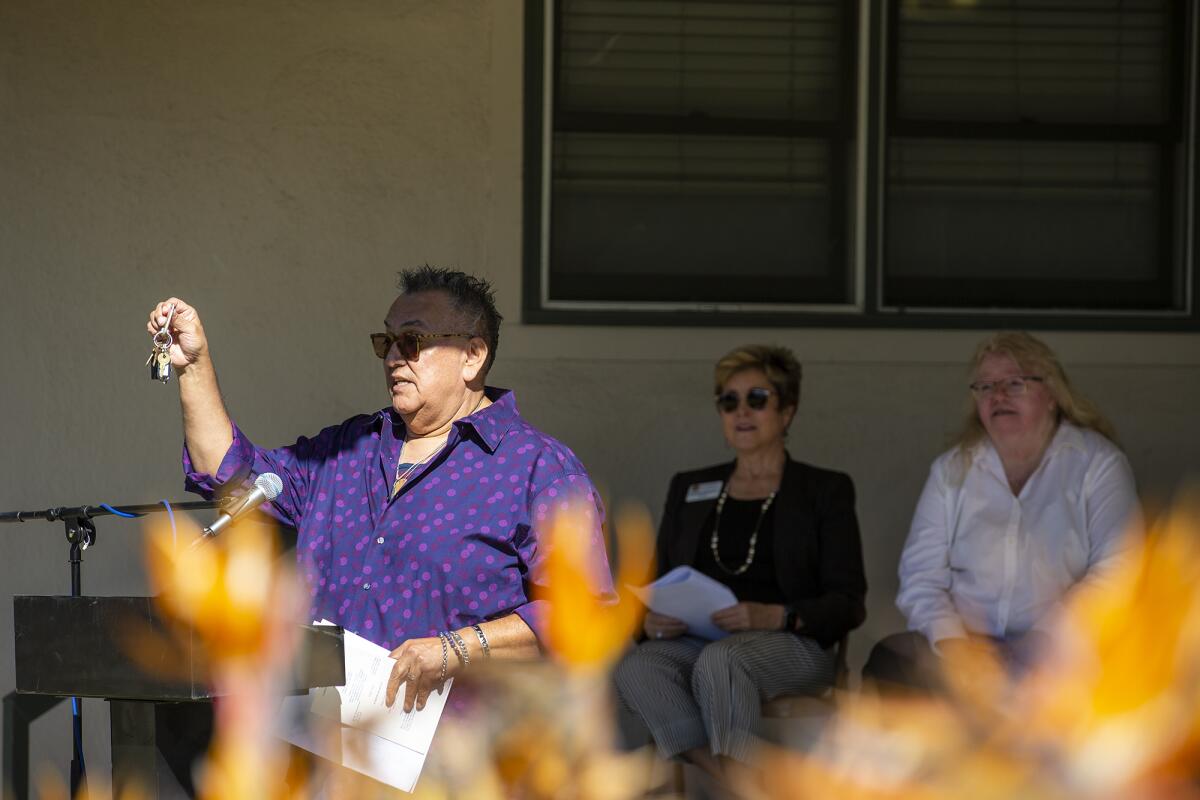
489,425
1067,436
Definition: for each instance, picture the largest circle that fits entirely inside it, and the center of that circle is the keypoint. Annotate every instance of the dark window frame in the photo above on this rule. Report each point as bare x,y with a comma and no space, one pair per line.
879,120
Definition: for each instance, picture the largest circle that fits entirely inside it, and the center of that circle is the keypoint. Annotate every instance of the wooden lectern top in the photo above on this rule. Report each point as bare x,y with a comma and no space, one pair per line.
84,647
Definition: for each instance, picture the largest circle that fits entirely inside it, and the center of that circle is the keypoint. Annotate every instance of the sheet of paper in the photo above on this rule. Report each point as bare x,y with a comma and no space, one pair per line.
377,758
690,596
383,743
362,702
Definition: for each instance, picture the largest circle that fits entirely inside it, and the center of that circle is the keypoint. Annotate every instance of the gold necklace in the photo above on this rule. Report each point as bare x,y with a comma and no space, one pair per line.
402,478
714,541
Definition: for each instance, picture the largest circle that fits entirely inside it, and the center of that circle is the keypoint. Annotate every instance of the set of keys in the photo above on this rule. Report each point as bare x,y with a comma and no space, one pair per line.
159,361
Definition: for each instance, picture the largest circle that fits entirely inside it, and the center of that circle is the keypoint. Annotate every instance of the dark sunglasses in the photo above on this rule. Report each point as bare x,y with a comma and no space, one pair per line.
409,342
756,398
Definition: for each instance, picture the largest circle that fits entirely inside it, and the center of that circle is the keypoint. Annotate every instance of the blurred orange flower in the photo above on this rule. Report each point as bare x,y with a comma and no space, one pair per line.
242,603
228,590
585,630
1118,696
1112,710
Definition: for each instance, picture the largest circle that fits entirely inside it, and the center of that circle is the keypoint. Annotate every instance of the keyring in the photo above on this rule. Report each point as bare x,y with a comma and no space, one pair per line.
165,332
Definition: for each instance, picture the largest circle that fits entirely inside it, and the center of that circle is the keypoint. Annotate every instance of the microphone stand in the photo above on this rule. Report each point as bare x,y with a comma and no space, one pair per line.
81,534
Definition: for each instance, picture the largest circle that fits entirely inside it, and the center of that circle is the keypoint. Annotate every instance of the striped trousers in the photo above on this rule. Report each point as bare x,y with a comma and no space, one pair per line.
695,693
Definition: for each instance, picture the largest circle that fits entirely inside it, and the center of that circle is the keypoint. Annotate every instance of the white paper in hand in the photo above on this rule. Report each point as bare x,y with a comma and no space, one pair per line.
362,702
690,596
384,743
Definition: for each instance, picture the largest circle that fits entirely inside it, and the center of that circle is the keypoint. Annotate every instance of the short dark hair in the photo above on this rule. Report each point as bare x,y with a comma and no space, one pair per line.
470,296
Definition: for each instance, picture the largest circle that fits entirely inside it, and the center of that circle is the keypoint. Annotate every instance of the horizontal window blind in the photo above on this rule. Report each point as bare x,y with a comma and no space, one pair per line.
702,219
690,162
1039,211
1043,61
743,60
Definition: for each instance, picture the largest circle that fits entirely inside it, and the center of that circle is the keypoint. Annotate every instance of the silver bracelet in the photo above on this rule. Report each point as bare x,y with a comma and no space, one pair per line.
445,655
460,647
453,644
483,642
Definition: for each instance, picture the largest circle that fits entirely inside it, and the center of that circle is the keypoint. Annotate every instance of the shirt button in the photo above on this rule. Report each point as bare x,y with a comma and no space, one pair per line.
366,586
379,540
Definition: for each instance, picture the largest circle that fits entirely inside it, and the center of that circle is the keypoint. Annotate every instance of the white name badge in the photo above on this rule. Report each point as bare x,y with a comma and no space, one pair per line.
709,490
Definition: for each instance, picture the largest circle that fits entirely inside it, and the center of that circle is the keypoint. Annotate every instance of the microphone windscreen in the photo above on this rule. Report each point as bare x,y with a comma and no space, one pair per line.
270,484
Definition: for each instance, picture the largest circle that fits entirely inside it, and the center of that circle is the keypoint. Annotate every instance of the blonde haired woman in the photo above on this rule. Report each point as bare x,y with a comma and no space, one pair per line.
1033,499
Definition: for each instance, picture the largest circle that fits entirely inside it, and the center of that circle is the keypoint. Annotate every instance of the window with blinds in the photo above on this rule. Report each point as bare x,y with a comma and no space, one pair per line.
863,162
699,151
1033,154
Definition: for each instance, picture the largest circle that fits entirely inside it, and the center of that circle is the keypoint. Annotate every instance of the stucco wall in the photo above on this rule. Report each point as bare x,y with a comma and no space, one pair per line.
274,162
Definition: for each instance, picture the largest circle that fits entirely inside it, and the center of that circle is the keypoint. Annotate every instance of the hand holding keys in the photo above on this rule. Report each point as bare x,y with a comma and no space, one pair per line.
159,361
179,340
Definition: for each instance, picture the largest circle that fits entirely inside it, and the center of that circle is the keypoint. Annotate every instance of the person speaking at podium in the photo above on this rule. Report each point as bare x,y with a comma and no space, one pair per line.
418,525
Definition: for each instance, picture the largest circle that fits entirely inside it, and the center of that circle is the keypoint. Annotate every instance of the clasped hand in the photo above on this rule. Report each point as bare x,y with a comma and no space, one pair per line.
745,616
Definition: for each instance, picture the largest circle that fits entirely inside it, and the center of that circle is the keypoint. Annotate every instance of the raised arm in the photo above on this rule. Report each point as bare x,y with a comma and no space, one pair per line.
206,425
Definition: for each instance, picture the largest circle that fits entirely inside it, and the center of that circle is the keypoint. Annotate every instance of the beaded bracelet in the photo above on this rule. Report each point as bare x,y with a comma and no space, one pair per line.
483,642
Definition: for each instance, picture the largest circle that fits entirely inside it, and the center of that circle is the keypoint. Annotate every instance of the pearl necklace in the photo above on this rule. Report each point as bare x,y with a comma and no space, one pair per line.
716,534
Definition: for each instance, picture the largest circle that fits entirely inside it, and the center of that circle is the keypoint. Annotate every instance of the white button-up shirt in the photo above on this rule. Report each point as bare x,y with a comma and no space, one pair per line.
980,559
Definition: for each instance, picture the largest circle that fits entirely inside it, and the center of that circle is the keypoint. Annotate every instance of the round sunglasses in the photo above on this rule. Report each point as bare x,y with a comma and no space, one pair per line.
409,342
756,399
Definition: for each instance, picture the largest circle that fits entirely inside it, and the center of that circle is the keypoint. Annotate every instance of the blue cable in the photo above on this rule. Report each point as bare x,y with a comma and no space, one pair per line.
171,516
118,512
78,740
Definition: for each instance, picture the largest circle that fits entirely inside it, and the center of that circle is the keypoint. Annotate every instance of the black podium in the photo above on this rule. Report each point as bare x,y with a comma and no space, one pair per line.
159,701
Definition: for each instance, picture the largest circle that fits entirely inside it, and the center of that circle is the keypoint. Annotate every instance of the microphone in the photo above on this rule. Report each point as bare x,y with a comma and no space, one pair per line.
267,486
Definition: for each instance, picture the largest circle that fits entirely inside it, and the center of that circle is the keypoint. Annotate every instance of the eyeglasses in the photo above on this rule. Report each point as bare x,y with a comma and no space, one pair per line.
1009,387
409,341
756,399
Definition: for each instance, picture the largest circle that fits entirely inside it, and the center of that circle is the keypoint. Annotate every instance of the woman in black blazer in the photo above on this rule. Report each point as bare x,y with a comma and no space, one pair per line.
784,537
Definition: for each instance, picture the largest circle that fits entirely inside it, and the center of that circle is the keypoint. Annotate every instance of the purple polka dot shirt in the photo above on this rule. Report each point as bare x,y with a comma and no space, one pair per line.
458,545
